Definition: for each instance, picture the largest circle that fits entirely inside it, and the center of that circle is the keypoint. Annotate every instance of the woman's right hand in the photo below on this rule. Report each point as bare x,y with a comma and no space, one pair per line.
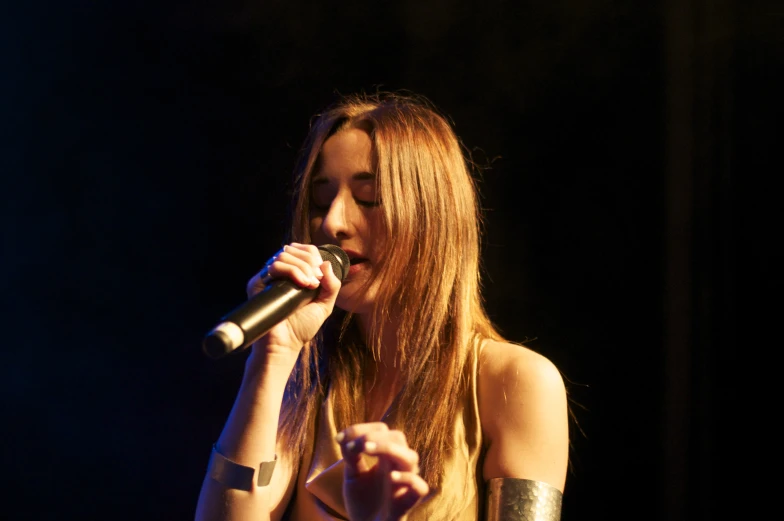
303,265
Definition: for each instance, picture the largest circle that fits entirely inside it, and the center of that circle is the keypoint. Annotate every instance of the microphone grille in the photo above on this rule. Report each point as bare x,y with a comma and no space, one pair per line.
338,258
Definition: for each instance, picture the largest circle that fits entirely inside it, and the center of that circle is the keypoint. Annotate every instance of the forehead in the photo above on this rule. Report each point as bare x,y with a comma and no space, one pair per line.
348,152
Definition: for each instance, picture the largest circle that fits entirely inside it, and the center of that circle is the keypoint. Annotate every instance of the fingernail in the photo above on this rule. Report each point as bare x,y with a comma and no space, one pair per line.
318,271
430,495
394,475
339,437
314,280
370,446
350,445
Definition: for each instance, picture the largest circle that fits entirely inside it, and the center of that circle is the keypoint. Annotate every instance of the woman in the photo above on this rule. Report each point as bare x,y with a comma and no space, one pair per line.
404,402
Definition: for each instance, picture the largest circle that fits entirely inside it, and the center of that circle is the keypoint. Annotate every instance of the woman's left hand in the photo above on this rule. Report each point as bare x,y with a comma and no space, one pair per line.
381,479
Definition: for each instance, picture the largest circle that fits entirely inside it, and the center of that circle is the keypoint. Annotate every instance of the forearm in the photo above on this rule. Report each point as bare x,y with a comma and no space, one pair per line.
248,438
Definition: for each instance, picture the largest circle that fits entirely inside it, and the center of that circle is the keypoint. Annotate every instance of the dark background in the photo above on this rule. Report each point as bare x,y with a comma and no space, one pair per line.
632,155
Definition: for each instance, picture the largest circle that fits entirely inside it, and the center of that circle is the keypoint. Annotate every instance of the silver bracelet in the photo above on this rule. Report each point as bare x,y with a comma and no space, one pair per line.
233,475
512,499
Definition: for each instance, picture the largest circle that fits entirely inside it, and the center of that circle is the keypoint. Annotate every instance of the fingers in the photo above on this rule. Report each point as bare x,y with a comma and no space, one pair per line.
298,266
330,285
408,489
352,445
397,465
376,439
401,456
301,263
361,429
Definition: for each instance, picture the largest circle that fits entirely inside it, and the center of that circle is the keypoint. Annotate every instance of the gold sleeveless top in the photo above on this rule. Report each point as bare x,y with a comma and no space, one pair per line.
319,489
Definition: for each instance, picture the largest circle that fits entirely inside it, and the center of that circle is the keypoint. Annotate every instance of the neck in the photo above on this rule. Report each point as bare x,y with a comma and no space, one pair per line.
383,378
387,357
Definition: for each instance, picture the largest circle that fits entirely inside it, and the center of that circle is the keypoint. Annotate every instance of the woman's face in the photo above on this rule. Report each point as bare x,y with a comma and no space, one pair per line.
344,210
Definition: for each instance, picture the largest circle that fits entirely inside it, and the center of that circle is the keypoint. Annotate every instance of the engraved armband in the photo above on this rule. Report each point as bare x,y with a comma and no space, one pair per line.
512,499
233,475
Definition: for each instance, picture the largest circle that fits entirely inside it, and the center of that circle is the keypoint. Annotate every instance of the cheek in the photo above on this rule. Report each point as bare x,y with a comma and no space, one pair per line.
315,227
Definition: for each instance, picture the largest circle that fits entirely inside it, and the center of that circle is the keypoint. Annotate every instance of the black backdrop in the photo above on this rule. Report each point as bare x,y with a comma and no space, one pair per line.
147,148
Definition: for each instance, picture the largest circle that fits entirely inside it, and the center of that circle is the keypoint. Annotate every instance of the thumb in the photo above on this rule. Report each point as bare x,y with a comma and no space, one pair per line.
330,285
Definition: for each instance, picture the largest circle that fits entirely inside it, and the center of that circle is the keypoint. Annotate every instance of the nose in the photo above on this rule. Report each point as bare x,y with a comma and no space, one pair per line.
337,220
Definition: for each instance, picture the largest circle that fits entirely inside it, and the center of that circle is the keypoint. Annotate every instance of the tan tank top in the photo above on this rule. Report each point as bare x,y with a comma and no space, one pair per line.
319,489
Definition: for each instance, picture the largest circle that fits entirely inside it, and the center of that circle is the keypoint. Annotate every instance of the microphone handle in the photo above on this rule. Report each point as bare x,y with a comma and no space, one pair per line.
253,319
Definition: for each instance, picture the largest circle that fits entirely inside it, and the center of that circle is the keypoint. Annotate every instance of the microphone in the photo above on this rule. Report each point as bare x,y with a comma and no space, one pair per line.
280,298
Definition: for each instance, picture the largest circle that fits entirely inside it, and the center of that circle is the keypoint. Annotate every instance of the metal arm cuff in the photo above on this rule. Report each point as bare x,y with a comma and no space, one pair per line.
512,499
233,475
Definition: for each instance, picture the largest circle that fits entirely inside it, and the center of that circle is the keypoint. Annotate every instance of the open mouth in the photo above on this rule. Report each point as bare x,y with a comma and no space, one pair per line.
357,260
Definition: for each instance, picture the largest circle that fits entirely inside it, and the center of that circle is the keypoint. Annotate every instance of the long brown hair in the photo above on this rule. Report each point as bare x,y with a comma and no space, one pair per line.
429,278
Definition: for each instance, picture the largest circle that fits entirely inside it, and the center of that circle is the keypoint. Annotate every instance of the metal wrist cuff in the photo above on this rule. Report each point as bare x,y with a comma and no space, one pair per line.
233,475
265,472
512,499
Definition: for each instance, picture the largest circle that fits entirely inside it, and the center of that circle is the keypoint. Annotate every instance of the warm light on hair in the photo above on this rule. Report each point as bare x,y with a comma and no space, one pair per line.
428,279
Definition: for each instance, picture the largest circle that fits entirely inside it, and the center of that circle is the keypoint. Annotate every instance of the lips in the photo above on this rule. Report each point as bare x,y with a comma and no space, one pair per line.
357,261
354,256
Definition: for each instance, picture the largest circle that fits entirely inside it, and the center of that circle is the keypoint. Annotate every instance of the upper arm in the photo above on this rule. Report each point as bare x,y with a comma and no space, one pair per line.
524,414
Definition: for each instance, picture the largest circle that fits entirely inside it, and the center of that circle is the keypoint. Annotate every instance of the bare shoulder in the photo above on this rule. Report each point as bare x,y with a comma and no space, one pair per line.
524,414
506,366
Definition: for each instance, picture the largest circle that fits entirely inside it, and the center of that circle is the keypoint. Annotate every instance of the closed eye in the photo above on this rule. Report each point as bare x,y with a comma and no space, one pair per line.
368,204
363,188
324,207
